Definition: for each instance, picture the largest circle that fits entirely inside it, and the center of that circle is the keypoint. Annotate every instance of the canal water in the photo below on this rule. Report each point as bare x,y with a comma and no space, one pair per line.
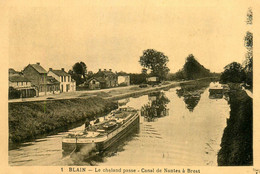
184,127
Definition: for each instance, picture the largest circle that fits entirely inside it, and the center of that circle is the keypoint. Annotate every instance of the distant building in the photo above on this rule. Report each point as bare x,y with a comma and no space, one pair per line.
97,83
38,77
22,84
123,80
153,80
107,77
53,85
67,84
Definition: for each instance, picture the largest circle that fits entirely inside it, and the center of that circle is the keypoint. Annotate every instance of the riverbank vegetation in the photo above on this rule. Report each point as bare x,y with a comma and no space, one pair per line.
191,70
27,120
237,73
237,141
156,62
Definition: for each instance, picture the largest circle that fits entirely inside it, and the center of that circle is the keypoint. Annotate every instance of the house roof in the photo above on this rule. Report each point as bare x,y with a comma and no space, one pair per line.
51,80
121,73
60,72
104,73
12,71
18,78
38,68
100,79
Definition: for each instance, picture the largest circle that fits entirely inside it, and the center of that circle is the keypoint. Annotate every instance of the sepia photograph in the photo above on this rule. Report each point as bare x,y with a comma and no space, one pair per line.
94,86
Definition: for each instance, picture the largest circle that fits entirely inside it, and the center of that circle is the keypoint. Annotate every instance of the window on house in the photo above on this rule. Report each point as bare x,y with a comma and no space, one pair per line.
61,78
21,83
93,82
17,83
64,78
25,83
68,78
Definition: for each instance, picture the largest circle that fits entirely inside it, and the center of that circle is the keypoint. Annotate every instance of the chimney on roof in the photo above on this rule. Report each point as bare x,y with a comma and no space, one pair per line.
38,63
110,70
62,69
99,70
50,69
105,69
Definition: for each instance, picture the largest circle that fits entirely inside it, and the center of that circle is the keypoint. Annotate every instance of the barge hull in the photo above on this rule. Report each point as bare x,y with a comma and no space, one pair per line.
127,130
122,131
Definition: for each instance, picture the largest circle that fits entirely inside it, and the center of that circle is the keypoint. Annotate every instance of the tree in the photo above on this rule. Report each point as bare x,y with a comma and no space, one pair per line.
249,58
249,19
155,61
144,71
78,72
248,41
234,73
192,69
80,68
14,93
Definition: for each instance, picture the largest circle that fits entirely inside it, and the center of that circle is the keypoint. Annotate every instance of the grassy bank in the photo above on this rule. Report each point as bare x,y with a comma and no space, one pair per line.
237,141
27,120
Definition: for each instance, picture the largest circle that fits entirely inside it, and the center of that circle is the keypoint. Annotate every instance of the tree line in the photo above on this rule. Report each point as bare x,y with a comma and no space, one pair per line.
154,63
237,73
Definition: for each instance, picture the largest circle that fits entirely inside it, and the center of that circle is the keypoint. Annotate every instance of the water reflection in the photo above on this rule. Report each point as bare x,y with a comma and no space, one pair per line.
156,107
174,140
191,93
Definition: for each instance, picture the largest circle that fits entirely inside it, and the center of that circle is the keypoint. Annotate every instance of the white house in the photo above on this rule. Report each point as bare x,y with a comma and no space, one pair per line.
67,84
123,80
153,80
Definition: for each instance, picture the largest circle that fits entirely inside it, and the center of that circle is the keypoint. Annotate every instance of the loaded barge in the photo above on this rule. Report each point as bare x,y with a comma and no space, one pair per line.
101,135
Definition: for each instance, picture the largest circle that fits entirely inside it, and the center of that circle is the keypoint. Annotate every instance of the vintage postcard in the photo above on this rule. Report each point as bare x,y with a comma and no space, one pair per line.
130,87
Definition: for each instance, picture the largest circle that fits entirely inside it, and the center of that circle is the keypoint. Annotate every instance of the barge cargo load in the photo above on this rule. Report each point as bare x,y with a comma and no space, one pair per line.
103,134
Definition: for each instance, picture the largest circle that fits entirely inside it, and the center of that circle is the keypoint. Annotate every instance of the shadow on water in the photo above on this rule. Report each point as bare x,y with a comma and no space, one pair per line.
156,107
191,93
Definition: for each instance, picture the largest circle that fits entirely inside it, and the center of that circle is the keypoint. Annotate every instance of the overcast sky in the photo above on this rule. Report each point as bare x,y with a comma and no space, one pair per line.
113,34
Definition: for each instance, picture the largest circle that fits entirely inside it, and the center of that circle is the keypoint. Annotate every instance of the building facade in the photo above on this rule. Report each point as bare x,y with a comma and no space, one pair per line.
39,78
123,80
109,77
53,85
153,80
67,84
23,85
96,83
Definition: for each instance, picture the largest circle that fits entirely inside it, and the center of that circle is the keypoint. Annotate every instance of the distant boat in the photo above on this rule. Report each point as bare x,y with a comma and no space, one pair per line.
216,92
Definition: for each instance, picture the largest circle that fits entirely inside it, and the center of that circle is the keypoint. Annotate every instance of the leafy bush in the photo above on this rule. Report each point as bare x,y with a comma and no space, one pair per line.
13,93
